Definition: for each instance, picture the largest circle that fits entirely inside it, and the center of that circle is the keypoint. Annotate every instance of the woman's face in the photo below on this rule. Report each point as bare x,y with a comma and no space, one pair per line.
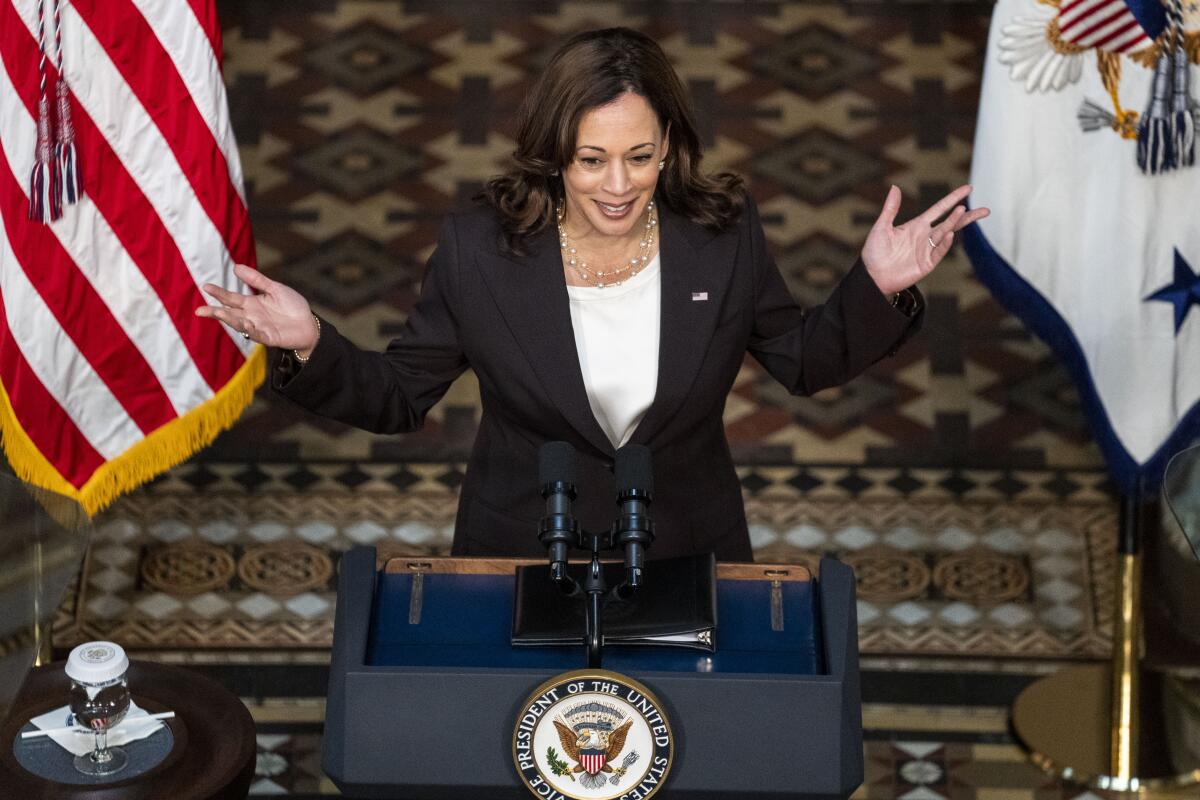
612,176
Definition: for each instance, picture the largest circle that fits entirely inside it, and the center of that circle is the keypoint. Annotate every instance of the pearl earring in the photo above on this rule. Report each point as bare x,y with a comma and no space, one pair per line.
661,164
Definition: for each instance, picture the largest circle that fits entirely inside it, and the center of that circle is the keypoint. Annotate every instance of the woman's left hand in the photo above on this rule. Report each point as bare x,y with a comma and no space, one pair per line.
898,256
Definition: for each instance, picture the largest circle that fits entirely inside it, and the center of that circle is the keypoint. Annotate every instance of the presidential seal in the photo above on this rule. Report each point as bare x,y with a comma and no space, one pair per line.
592,735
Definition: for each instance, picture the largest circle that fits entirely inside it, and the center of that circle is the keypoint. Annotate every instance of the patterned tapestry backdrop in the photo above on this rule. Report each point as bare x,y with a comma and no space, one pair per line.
361,122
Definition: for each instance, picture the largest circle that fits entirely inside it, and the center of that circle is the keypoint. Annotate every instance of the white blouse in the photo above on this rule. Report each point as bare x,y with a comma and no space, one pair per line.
616,336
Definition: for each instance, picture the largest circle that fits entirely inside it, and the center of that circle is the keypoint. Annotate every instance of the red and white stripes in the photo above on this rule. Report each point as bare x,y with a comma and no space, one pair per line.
102,360
1104,24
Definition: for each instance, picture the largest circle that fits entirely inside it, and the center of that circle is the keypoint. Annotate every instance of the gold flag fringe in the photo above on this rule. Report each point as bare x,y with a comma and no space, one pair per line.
160,450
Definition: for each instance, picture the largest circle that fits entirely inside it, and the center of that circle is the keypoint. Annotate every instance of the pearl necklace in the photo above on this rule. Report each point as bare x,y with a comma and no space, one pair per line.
601,278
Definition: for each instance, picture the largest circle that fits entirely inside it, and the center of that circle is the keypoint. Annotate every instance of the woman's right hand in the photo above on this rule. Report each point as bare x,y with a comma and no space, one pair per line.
277,316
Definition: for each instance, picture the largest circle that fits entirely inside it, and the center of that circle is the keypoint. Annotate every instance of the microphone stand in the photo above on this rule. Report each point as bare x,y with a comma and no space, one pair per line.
594,585
595,588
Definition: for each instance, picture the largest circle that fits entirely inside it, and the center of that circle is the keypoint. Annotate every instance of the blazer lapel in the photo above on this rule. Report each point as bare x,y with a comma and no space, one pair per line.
694,283
531,293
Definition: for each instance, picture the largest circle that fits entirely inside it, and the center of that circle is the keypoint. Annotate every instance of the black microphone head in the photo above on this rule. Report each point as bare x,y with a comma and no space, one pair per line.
634,469
556,463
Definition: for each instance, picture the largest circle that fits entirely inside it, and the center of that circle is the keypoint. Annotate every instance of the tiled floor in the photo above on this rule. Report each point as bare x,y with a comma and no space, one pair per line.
216,567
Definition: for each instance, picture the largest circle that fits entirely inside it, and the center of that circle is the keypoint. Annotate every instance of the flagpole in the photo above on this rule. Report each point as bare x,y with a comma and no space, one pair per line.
1084,724
42,651
1127,638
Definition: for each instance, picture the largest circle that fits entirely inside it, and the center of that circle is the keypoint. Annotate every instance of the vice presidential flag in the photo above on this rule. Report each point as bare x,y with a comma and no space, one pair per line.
120,195
1085,152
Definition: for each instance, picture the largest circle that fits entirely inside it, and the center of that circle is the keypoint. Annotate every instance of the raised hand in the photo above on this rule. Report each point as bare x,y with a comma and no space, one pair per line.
278,316
898,256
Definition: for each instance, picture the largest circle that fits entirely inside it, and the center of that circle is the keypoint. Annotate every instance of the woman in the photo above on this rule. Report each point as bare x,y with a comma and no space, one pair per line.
605,294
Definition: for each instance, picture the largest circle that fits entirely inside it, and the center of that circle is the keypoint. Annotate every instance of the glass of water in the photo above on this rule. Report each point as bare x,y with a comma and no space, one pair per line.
99,701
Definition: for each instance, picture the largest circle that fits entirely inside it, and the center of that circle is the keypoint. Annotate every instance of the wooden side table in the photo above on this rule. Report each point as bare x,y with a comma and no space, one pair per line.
213,754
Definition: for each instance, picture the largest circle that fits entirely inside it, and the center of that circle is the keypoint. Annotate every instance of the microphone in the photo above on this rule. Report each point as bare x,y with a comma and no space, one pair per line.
559,529
635,489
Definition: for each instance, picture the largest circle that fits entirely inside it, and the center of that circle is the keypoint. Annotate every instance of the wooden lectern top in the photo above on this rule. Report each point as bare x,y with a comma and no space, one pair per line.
442,565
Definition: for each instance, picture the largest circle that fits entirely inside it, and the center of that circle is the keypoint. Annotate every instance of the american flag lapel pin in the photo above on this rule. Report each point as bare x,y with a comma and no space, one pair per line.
699,297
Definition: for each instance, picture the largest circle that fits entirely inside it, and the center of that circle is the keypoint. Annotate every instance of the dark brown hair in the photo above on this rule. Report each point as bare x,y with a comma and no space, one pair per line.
591,70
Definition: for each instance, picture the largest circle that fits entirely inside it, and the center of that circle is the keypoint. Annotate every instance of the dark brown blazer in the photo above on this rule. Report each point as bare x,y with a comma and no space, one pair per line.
508,318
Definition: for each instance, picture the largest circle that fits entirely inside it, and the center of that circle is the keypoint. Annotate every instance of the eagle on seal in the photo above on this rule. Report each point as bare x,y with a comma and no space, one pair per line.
591,749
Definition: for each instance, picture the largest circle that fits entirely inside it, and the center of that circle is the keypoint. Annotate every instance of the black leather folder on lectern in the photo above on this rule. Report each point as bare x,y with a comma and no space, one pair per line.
425,684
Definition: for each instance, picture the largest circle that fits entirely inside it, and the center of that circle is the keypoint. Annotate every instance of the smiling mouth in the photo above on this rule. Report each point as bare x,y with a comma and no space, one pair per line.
615,211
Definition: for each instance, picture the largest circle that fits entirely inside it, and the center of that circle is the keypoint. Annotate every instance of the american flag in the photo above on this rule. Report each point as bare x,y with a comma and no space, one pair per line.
1107,25
107,377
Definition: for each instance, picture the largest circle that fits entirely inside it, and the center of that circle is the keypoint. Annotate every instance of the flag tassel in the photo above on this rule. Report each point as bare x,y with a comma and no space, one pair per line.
1155,151
1182,122
56,188
37,192
66,161
65,157
44,205
56,175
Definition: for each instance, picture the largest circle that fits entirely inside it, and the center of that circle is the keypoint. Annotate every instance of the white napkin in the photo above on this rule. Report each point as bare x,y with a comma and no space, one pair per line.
83,742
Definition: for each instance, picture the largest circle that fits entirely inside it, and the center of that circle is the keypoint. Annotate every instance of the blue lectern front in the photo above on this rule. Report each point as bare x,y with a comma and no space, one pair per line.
425,686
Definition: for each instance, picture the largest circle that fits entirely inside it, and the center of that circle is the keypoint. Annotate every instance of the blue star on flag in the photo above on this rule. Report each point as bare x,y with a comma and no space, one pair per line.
1183,293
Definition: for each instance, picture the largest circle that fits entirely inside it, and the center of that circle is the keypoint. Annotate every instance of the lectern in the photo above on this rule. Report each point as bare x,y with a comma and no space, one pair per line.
425,687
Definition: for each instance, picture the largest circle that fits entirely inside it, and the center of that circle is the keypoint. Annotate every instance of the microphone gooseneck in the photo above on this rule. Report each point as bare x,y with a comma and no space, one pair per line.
559,530
635,491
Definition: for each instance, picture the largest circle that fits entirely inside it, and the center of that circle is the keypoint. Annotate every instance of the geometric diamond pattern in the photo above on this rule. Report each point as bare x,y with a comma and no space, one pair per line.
209,605
959,614
814,266
816,61
159,605
956,539
307,605
357,163
347,272
258,606
818,166
909,613
367,59
855,538
1010,614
